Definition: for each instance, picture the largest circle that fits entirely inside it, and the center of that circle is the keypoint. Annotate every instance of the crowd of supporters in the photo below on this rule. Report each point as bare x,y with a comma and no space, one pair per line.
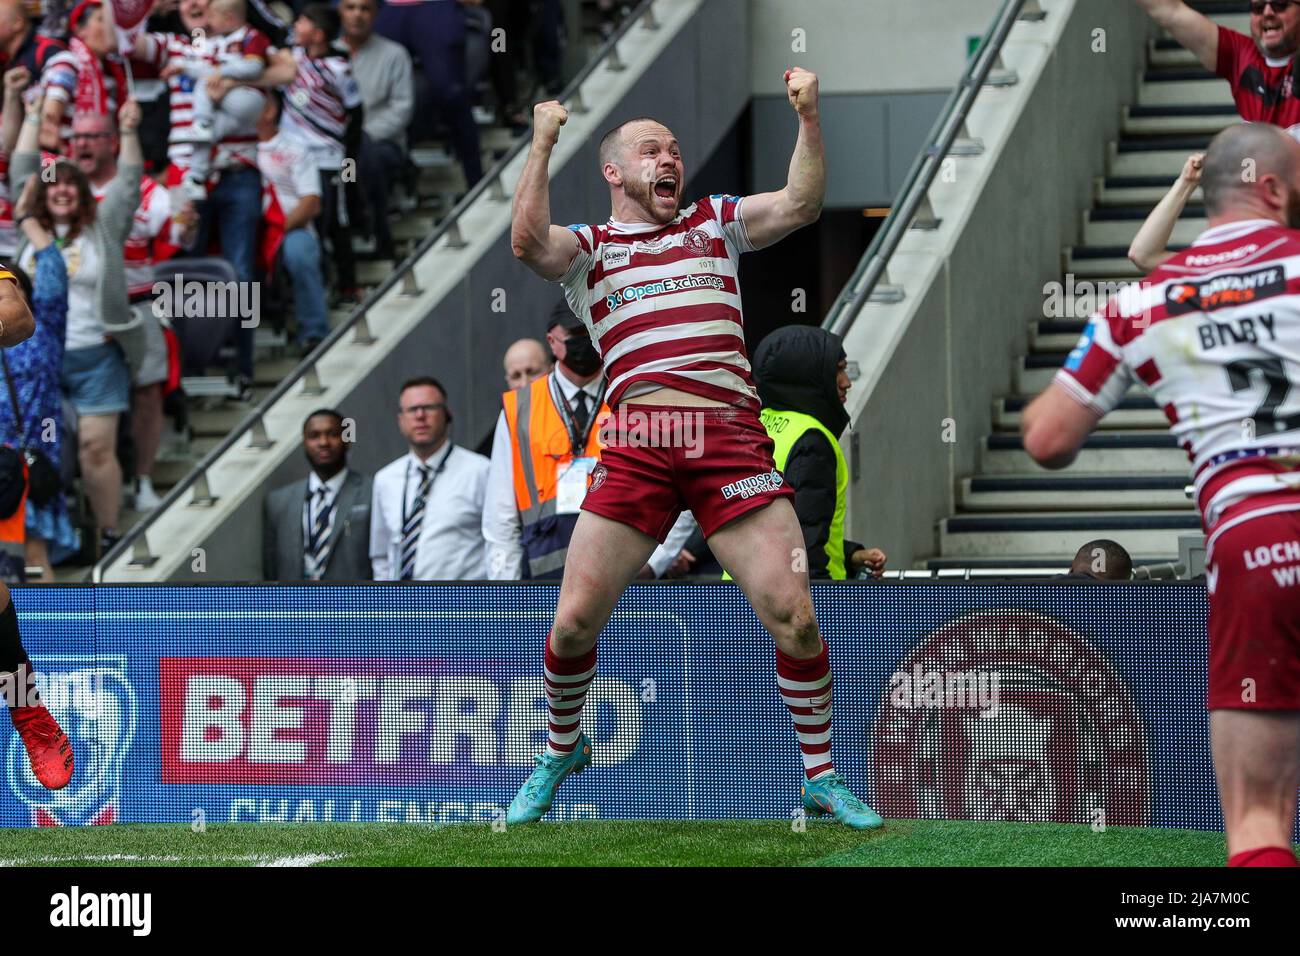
241,140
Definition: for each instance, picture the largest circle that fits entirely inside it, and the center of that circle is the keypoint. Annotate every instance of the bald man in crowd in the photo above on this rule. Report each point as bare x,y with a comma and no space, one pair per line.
525,360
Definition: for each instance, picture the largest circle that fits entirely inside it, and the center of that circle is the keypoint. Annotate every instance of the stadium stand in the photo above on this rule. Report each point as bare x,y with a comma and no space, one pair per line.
421,197
1002,513
434,304
990,508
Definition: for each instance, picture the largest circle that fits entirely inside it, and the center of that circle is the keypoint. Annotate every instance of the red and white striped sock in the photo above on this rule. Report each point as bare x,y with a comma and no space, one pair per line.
806,689
567,680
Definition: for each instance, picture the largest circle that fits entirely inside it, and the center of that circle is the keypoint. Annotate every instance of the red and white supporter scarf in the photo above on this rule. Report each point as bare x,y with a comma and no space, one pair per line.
92,94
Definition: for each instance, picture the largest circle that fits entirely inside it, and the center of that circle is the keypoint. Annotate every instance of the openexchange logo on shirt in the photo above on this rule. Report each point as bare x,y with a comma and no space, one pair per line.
635,293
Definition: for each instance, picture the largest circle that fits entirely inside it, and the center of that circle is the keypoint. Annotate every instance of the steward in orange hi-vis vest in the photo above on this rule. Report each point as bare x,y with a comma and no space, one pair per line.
552,468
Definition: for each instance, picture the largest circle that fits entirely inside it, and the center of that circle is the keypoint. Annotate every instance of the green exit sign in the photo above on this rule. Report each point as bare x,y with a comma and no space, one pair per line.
973,45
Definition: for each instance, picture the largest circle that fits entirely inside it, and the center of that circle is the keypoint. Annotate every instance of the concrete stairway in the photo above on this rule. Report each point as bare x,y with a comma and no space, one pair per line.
1128,482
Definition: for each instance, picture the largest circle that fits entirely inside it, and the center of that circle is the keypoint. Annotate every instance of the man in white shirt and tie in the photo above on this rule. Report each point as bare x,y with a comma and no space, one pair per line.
427,511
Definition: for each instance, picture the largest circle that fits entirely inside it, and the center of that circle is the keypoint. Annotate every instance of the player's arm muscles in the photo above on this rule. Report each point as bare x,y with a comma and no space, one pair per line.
541,245
770,217
1191,28
1055,425
1150,246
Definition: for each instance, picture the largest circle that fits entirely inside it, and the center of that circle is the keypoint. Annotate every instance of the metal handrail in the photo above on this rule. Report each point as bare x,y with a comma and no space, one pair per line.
404,275
914,206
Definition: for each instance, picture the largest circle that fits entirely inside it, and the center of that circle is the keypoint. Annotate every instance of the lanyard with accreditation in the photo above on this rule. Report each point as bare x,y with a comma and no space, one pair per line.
572,476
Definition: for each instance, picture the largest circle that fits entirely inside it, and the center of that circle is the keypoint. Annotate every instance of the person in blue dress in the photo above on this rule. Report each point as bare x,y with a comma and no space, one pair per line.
36,367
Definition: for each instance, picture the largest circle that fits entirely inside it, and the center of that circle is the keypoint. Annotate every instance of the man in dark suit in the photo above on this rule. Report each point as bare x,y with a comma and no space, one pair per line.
318,529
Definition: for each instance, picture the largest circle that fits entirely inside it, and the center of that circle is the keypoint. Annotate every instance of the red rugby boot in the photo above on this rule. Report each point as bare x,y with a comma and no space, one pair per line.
47,745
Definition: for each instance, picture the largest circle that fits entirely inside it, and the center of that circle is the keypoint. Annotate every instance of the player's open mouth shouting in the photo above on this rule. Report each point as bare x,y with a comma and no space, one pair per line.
666,189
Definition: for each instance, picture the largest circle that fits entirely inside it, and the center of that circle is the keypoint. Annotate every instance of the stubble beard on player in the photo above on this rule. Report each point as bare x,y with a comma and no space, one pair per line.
642,193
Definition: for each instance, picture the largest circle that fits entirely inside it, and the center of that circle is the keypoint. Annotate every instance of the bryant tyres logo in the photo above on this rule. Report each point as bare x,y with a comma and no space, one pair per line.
1061,740
250,720
1222,292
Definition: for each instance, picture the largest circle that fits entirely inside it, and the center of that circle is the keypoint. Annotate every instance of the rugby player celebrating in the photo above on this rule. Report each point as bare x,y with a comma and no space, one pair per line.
656,287
1214,334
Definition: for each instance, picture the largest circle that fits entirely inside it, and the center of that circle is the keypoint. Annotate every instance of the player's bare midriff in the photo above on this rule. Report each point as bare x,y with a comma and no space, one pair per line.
673,396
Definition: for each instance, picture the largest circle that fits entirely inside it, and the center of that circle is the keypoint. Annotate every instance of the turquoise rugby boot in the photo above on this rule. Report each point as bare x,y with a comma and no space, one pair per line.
534,797
830,795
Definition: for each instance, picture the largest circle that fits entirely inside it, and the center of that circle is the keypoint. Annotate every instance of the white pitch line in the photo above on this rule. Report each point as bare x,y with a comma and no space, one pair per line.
259,859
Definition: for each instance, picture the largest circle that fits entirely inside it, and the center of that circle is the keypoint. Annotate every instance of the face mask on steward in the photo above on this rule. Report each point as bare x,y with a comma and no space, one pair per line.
580,355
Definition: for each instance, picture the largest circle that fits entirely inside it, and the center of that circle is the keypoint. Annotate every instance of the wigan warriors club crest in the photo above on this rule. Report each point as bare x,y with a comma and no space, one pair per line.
1061,739
696,242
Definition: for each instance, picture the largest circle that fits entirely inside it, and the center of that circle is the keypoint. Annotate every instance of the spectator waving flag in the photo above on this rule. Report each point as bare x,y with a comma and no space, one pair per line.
126,18
129,16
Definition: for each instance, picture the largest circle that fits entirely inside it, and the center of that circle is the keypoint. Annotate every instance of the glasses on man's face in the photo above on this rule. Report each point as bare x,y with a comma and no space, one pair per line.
76,136
1279,6
415,411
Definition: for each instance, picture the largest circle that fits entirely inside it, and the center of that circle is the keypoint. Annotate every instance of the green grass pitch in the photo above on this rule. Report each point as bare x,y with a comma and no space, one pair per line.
612,843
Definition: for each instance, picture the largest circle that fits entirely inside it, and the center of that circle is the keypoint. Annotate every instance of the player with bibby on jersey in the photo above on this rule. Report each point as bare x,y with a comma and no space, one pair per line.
656,287
1214,334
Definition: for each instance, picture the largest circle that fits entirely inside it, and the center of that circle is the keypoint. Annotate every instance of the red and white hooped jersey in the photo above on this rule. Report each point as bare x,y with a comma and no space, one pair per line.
163,49
662,303
1214,335
317,102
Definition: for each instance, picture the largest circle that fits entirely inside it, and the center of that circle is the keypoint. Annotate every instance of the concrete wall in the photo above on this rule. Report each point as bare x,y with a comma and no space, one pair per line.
976,284
462,339
865,46
871,140
885,70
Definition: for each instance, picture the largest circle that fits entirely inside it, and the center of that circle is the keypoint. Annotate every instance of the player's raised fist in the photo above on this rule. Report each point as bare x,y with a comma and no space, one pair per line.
548,117
801,88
